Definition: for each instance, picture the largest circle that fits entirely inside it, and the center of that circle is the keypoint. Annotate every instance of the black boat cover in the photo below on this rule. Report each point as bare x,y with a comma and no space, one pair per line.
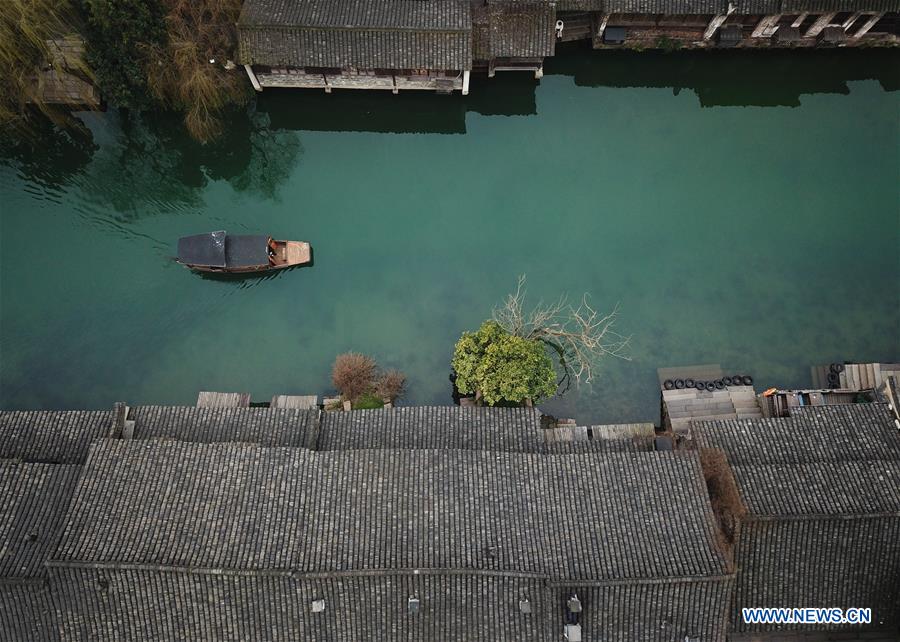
219,249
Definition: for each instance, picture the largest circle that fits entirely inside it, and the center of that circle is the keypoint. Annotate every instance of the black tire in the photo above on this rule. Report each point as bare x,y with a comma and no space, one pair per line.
726,381
736,380
720,384
833,378
748,380
710,386
689,383
668,384
699,385
836,368
679,384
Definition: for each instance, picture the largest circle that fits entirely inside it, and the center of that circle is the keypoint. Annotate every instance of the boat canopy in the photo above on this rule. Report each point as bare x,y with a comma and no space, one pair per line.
219,249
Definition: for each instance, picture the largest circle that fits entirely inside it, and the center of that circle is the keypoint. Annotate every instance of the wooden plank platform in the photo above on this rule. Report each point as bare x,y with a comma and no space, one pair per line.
299,402
566,433
223,400
624,431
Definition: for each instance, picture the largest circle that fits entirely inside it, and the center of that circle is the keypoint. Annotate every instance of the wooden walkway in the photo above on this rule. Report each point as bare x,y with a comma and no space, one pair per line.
638,436
299,402
223,400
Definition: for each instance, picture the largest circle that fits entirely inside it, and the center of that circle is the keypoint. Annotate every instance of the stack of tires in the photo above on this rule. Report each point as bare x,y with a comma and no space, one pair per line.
834,375
716,384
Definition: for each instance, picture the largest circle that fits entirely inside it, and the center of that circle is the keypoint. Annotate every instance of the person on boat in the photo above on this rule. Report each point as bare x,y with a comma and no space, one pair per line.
271,248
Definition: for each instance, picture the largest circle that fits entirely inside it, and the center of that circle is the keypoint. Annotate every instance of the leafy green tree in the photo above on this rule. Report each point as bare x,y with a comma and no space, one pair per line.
120,37
502,367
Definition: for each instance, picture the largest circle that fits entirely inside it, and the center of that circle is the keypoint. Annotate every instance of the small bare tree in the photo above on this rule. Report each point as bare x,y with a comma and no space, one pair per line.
353,374
579,335
390,385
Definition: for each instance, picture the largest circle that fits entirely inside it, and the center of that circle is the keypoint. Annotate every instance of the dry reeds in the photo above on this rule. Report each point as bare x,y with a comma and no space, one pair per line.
27,28
188,73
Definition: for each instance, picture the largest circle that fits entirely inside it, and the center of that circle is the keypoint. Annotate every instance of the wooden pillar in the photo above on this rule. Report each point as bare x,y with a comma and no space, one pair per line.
465,87
253,79
871,22
600,29
766,26
819,24
717,22
799,21
849,21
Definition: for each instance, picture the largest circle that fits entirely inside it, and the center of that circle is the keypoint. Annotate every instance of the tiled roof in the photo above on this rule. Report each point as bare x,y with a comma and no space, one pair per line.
145,604
838,562
51,435
265,426
822,489
835,488
27,612
821,6
710,7
756,7
33,502
366,34
501,429
139,604
852,432
742,7
448,15
247,508
667,7
522,29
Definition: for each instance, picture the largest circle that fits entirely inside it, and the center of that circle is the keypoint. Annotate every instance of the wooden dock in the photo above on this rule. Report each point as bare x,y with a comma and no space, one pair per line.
853,376
781,402
611,437
298,402
223,400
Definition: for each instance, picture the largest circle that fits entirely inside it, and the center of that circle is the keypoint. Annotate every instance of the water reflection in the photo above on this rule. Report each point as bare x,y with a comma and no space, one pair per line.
511,94
142,164
730,78
160,169
45,154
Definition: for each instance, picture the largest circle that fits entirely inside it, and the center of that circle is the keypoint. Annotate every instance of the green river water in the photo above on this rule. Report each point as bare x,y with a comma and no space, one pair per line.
741,208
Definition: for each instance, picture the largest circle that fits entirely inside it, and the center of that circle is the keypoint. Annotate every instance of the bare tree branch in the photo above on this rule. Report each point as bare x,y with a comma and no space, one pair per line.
580,336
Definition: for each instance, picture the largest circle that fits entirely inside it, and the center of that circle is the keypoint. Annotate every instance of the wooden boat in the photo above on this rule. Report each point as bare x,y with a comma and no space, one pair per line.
221,252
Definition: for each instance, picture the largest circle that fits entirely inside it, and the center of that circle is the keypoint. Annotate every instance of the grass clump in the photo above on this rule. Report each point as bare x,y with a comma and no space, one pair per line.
368,401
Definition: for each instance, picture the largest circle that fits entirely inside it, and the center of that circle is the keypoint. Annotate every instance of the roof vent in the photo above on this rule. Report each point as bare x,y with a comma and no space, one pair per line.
573,632
524,605
413,605
573,604
318,606
691,638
